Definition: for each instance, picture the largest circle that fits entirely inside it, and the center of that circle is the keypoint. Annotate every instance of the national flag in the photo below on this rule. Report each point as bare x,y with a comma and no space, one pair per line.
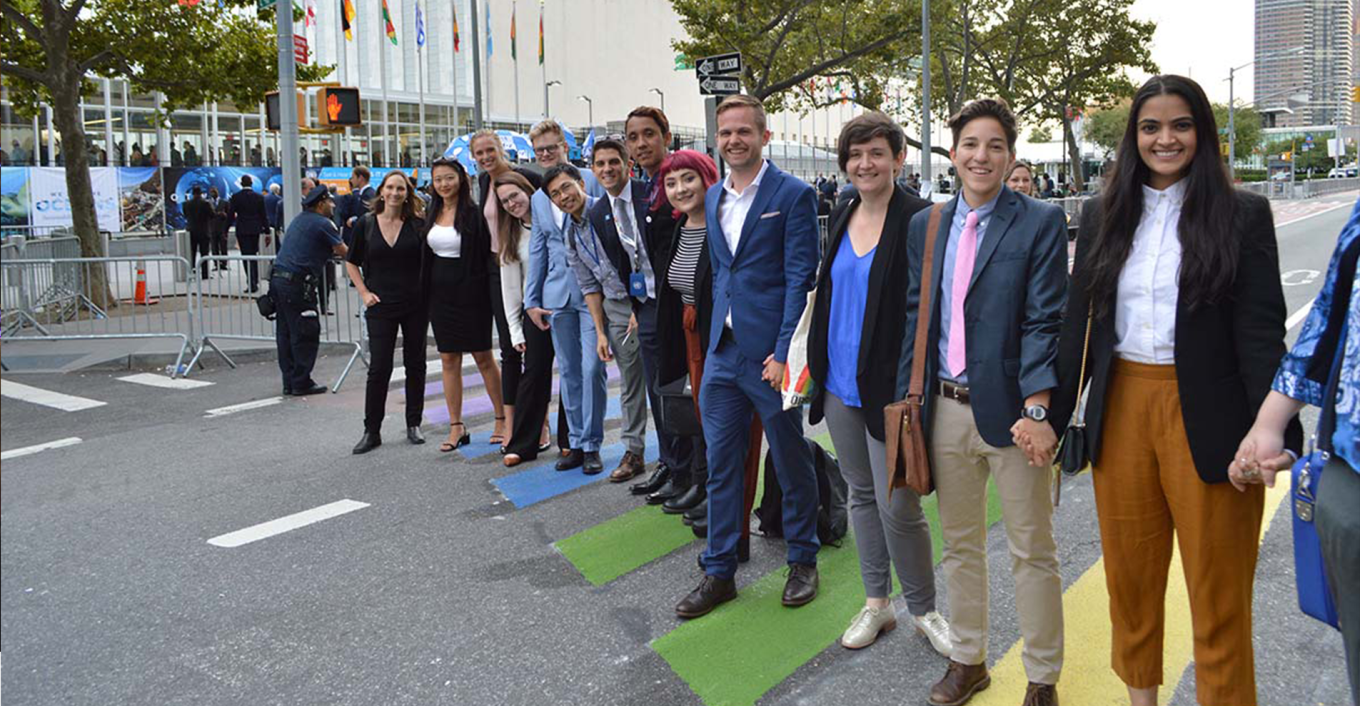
309,19
387,20
540,32
488,30
588,146
514,10
347,19
457,36
420,27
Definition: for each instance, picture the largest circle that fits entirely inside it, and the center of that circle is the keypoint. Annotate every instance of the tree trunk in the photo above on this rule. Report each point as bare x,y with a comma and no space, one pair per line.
1073,152
70,125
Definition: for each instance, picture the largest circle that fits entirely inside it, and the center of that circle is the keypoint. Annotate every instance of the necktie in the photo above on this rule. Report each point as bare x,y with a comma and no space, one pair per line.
625,225
963,274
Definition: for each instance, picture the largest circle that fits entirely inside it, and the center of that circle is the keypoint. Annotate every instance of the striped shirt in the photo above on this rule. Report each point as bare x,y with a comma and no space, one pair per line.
685,265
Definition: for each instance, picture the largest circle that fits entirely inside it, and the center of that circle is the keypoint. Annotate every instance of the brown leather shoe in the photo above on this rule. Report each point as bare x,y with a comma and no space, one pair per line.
959,684
1041,695
629,467
711,593
801,586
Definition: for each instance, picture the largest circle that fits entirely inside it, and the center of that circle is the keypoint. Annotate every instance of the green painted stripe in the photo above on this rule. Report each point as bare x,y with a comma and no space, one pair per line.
613,548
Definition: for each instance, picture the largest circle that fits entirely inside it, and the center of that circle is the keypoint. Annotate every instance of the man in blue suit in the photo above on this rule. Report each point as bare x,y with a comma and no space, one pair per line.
999,277
762,226
553,300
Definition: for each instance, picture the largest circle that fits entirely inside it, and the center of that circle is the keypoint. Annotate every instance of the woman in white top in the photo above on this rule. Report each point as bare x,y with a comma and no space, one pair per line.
460,300
529,433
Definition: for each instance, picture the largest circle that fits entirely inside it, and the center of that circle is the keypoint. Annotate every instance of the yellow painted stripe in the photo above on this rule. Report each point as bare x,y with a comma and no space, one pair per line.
1087,678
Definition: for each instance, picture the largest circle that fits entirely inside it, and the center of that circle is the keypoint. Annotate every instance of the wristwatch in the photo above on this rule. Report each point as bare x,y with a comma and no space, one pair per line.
1037,412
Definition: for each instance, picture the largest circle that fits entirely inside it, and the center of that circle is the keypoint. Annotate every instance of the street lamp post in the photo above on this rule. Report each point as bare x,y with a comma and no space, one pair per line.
1232,109
658,92
925,93
590,109
546,111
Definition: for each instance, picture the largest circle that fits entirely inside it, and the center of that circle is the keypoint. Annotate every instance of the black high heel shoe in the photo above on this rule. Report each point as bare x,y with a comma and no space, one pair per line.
463,440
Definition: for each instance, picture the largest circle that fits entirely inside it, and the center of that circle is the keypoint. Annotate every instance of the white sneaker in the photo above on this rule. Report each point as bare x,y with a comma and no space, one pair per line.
867,625
936,629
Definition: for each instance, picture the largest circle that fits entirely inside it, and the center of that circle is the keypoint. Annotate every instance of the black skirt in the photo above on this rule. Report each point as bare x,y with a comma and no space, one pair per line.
460,307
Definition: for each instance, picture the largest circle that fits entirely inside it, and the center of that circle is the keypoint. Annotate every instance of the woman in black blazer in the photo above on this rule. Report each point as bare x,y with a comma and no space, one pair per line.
853,347
1180,276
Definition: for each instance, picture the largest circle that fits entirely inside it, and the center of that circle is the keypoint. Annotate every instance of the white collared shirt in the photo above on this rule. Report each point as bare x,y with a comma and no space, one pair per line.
625,210
732,210
1149,285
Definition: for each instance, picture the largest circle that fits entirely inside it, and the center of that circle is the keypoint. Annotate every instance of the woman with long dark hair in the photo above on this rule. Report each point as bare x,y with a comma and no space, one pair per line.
1179,276
529,435
385,264
460,300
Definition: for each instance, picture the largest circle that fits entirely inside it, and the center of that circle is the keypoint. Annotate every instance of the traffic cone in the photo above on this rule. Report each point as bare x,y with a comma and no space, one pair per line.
139,294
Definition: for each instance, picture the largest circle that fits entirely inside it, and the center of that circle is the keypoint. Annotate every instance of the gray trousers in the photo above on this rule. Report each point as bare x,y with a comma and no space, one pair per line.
1338,528
633,377
887,534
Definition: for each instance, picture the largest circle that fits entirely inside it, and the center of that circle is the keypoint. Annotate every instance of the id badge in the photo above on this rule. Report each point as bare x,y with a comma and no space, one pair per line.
637,285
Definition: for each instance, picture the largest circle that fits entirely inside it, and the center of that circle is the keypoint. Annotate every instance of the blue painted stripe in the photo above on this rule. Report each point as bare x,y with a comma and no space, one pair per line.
543,482
613,409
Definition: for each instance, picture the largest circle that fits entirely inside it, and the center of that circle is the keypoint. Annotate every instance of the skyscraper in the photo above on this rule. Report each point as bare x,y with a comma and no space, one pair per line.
1323,72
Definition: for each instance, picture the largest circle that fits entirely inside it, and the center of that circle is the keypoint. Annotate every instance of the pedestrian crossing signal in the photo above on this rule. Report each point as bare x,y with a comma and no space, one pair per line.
338,107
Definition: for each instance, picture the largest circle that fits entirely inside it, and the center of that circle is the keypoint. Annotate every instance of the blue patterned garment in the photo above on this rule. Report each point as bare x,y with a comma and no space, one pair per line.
1291,379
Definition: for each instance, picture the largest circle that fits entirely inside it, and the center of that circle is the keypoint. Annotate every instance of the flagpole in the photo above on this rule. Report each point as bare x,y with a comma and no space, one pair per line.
382,78
453,17
476,70
420,80
514,54
542,61
357,28
341,60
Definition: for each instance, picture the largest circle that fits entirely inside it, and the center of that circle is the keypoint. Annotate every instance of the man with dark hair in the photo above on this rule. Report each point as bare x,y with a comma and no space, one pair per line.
246,209
552,293
218,224
762,244
675,484
999,275
355,203
198,221
307,246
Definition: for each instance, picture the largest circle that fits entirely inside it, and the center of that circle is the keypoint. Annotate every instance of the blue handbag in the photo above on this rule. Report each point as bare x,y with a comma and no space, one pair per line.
1310,573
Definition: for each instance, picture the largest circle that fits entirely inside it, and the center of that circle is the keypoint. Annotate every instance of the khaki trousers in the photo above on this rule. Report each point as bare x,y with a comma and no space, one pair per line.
962,462
1147,491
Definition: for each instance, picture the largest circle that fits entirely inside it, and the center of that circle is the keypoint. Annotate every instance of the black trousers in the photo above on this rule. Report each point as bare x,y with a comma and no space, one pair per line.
534,393
511,361
219,241
200,246
297,333
1338,528
250,245
382,344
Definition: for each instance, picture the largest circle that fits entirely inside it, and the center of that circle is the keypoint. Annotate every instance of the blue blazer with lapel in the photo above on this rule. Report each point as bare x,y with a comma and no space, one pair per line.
601,217
1012,313
764,284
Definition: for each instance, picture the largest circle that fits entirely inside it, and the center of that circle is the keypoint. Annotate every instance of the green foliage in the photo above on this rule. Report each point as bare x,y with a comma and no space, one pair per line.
190,54
1105,127
1247,125
1040,133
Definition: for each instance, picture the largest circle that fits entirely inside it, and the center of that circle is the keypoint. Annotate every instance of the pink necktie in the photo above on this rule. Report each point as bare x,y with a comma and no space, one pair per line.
963,274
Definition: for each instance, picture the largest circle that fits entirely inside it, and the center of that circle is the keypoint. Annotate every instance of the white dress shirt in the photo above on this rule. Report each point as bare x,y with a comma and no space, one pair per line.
732,210
1149,285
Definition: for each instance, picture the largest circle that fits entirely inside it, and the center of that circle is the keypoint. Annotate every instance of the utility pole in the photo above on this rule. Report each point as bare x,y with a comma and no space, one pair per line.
288,118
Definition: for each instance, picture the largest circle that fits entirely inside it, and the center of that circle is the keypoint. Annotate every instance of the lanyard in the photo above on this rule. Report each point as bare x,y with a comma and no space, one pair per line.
593,251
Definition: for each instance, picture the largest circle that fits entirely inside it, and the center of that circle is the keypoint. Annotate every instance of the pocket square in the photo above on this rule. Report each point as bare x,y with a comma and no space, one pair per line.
771,214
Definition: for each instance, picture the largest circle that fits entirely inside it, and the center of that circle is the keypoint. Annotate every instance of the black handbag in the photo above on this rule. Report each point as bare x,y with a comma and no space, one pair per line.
678,414
1073,453
266,304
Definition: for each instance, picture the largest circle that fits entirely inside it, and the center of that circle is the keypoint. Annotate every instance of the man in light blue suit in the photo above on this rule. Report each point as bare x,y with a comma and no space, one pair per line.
762,226
553,299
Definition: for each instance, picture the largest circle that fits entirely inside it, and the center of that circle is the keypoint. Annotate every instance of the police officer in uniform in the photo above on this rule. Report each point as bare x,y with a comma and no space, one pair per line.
307,246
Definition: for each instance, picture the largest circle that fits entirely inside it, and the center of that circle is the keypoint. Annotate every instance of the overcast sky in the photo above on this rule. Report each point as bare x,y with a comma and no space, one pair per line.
1203,39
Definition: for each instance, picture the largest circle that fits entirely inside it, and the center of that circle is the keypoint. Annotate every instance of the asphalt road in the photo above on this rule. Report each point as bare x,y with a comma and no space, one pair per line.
447,580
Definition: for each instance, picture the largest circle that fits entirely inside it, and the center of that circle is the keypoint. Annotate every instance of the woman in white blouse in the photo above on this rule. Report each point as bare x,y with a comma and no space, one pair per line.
529,433
1179,276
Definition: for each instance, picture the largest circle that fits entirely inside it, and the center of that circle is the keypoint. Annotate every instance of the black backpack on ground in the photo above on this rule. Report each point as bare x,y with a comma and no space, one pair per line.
833,516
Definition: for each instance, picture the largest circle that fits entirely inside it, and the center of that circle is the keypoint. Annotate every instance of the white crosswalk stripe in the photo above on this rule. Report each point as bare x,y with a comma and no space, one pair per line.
164,381
46,398
30,450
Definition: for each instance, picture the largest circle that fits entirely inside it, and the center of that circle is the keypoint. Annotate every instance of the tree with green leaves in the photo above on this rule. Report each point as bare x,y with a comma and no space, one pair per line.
188,53
1247,125
1105,127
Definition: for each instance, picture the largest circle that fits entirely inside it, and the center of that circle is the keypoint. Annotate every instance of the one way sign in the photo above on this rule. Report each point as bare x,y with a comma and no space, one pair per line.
718,65
719,86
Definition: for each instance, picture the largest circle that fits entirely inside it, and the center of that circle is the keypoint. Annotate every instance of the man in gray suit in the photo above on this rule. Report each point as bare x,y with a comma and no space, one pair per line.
999,279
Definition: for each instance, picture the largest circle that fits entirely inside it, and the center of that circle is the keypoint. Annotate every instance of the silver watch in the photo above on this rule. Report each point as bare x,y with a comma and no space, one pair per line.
1037,412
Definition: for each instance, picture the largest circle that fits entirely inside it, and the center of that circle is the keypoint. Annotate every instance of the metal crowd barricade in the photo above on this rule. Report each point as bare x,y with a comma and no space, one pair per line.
227,311
94,298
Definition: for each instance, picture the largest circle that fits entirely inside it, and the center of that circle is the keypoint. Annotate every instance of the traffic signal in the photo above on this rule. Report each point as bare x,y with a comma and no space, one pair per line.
271,110
338,107
1355,94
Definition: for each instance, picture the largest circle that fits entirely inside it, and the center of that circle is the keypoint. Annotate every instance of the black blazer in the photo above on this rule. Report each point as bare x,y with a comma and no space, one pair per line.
1226,353
884,310
197,217
670,311
247,212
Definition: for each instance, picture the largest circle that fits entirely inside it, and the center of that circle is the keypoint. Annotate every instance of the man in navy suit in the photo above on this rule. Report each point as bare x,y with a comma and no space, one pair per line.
999,278
762,226
246,211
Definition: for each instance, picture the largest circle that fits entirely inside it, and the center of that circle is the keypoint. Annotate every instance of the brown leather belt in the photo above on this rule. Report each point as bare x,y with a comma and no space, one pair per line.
953,391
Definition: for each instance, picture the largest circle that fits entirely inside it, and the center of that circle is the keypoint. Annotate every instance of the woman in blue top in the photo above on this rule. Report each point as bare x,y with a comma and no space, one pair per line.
1302,379
857,326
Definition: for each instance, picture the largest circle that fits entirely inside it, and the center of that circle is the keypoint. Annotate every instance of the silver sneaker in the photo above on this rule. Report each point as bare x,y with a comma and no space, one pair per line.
936,629
867,625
